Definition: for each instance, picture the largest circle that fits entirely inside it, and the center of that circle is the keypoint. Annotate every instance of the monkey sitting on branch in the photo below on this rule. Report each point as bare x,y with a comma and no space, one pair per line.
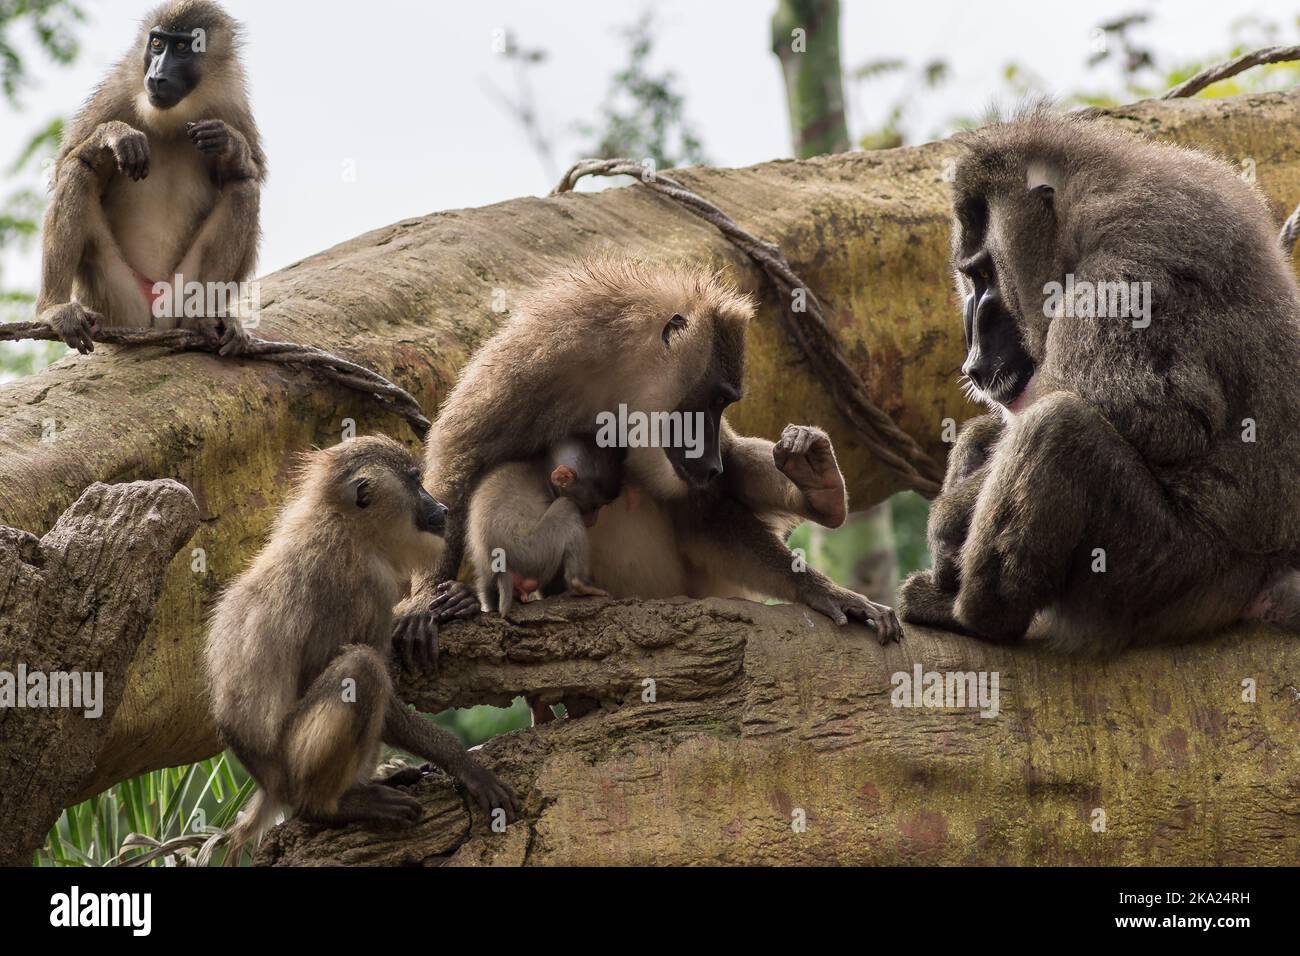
1134,325
299,647
528,522
620,337
157,183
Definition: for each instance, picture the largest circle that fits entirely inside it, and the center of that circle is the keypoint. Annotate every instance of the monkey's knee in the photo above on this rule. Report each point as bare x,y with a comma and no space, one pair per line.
334,732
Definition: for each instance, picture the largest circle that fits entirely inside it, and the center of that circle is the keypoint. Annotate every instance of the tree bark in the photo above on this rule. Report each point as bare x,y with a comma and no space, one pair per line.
766,717
76,601
868,231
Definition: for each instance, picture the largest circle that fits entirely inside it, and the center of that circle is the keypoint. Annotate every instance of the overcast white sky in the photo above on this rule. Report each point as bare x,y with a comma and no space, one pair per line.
399,87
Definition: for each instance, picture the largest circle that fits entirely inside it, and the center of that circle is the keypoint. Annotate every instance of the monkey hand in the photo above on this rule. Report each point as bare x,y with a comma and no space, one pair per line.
839,604
453,600
805,456
212,137
415,641
488,791
130,149
75,324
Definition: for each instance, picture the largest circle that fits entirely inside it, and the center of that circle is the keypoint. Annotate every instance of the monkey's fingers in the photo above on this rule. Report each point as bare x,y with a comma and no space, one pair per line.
427,647
453,600
132,154
796,440
234,338
881,619
210,136
403,644
490,792
86,330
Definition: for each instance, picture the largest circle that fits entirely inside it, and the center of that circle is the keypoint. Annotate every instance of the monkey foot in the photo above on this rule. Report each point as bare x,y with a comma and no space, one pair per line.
805,456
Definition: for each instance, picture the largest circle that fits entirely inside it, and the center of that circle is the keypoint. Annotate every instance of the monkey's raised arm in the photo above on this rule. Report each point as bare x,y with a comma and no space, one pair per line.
797,476
110,148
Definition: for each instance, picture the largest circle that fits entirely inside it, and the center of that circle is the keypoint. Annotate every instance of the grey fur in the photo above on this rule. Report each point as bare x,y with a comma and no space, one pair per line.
1131,439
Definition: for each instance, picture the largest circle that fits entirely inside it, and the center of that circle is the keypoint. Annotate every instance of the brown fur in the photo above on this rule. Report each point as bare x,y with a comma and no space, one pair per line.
311,617
1131,438
596,337
536,513
194,214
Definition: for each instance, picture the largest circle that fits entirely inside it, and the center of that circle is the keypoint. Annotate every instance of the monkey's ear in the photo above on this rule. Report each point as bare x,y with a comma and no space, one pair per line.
563,476
675,324
361,492
1041,179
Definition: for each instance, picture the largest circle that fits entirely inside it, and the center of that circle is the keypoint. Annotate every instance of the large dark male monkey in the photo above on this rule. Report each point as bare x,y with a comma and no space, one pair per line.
654,339
1137,481
159,175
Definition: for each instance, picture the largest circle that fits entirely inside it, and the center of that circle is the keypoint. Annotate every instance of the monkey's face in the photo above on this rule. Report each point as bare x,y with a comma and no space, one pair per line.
1005,250
379,492
171,66
715,384
592,477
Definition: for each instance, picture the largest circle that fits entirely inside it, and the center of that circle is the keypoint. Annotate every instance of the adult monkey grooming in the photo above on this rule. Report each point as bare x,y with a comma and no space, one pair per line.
1138,482
657,340
158,176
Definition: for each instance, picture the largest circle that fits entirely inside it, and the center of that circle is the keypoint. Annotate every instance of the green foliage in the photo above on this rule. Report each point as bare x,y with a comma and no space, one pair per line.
52,24
474,725
163,804
644,115
840,554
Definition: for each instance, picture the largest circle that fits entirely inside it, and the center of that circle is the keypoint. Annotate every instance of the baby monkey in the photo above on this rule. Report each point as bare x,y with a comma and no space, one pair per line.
299,647
528,521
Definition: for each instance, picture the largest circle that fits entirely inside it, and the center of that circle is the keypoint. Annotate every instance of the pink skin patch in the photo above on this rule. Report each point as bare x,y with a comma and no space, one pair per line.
632,496
1020,401
524,587
146,288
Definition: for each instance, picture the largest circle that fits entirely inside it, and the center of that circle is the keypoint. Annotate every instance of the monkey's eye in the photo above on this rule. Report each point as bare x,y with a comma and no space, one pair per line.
979,269
361,491
156,43
183,46
675,324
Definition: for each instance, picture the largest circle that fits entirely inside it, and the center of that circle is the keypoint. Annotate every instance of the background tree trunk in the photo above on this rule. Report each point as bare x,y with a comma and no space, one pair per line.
765,718
814,89
806,39
76,601
868,231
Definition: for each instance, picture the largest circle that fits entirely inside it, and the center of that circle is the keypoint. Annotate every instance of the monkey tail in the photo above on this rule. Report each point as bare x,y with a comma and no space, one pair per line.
253,821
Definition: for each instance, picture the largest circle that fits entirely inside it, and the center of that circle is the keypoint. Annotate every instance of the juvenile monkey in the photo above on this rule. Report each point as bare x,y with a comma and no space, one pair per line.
528,521
659,341
299,646
159,175
1136,481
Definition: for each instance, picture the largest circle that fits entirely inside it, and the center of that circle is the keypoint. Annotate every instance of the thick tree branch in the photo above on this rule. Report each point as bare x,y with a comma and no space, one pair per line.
76,602
868,231
1159,757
